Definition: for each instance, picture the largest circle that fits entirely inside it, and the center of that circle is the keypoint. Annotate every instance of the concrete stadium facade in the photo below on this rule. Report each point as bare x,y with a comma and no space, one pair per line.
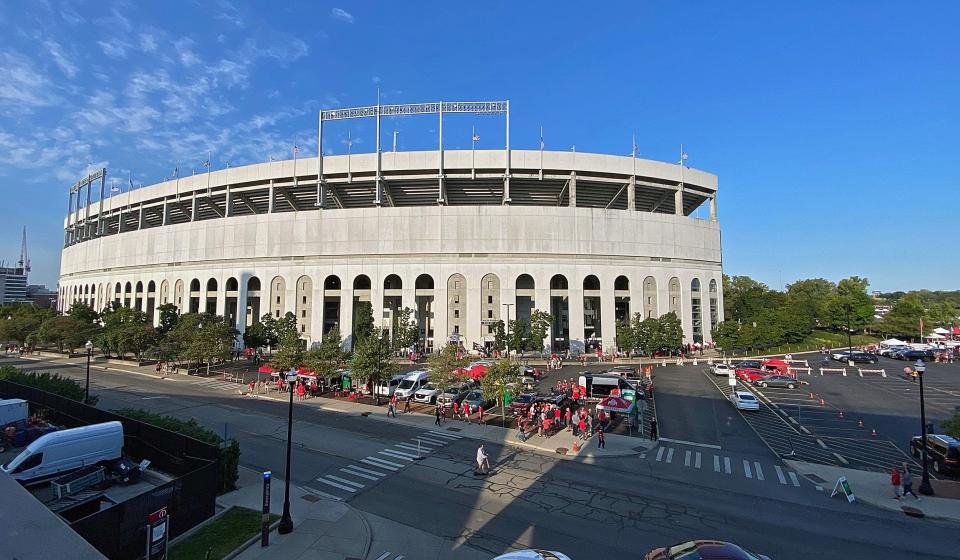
463,237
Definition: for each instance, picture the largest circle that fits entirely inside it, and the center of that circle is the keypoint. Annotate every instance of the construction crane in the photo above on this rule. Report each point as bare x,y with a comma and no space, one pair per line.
24,261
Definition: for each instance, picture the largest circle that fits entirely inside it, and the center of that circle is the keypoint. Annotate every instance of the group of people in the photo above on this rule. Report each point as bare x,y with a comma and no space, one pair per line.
14,349
902,482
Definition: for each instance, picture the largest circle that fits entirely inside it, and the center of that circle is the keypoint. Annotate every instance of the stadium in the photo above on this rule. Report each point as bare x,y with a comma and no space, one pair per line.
465,238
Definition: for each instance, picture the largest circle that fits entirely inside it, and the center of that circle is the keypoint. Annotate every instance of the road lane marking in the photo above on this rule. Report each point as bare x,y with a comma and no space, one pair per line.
716,463
368,471
377,462
670,455
401,453
395,456
409,447
694,443
361,475
444,435
344,481
384,555
793,479
335,485
427,440
660,453
696,463
780,474
746,469
758,470
726,465
686,459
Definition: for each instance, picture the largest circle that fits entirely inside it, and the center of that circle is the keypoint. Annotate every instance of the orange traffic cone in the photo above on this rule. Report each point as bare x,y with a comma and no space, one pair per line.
859,423
873,433
576,446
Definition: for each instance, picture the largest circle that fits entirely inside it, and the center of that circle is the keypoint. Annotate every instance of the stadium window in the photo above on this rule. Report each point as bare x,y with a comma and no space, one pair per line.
303,328
278,300
277,312
456,284
490,285
489,299
304,300
489,313
456,313
303,314
456,299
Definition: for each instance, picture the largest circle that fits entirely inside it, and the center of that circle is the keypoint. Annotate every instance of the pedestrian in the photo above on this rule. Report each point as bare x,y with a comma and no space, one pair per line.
582,425
158,367
653,430
601,443
895,482
556,415
301,391
567,417
456,410
906,481
392,406
480,414
406,404
466,412
438,412
483,462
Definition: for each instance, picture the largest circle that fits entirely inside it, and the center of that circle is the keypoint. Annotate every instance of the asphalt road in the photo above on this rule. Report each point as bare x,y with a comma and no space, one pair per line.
604,508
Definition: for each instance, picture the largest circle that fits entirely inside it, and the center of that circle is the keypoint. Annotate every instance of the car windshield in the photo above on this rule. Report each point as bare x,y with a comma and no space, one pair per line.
428,387
953,453
746,397
406,384
524,399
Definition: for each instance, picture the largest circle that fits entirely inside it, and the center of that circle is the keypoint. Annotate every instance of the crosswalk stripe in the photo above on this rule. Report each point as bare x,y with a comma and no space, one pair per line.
716,463
368,471
401,453
335,485
377,462
383,556
746,469
670,455
409,447
395,455
660,453
686,458
697,462
444,435
793,479
345,481
780,474
360,474
758,470
313,490
431,441
726,465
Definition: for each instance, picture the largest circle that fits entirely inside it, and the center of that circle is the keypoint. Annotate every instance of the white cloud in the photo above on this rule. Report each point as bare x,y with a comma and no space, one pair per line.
70,16
113,48
148,43
56,52
187,57
22,84
342,15
375,79
229,13
285,48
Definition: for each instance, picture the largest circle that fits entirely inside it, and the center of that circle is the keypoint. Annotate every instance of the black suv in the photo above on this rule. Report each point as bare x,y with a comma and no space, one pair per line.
942,451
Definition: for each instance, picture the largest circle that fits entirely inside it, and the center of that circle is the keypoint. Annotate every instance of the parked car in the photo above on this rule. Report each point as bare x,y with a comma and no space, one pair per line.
454,394
747,364
427,394
67,450
787,381
411,383
856,357
521,404
720,369
554,398
475,398
704,550
890,350
913,355
744,400
532,554
943,452
626,371
839,355
750,375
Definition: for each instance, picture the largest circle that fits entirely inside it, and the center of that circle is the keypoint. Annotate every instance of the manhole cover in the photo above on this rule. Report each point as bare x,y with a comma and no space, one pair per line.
640,449
815,478
562,450
912,511
311,498
453,429
364,414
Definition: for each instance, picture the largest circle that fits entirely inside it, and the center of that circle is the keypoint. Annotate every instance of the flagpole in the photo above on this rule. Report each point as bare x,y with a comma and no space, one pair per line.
541,152
176,174
209,169
295,150
349,149
473,151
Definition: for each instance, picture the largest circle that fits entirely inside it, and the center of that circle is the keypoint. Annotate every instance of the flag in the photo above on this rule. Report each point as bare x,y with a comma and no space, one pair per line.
176,172
541,137
476,137
130,181
296,149
684,156
207,164
114,188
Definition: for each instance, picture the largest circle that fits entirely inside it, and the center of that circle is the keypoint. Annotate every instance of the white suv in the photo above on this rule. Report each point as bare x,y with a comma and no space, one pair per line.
427,394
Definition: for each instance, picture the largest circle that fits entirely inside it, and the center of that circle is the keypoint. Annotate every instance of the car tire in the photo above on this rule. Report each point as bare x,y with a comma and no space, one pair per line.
790,385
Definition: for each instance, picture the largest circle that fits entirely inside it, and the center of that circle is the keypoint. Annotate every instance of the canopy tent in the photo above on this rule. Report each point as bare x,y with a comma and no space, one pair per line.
935,336
893,342
941,330
616,404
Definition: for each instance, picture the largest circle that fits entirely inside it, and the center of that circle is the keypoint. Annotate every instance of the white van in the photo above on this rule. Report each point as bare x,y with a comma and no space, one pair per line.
387,388
66,450
601,385
411,383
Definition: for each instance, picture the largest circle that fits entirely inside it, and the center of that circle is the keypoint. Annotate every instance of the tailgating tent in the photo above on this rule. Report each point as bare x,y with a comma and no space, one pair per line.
941,330
935,336
893,342
616,404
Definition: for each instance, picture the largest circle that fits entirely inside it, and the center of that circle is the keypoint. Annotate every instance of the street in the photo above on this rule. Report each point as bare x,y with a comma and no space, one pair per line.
711,476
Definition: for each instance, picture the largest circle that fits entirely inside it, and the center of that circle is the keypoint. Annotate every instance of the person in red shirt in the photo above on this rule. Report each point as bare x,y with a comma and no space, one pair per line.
456,409
556,415
567,417
576,393
466,412
480,414
582,425
301,391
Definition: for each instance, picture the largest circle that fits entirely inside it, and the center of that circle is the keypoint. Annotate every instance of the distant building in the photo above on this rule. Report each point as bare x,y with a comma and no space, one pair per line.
13,285
41,296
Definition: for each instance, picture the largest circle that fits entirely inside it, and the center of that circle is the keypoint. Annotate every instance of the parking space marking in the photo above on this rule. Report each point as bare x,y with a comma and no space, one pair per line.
726,465
669,454
686,458
716,463
660,453
758,470
793,479
697,461
746,469
780,476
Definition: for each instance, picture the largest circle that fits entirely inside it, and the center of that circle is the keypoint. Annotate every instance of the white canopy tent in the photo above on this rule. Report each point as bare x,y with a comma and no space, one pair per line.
935,336
893,342
941,330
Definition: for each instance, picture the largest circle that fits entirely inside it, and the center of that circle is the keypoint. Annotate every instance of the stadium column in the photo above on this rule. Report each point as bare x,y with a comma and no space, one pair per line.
631,193
713,208
194,206
221,309
166,211
474,317
346,312
608,323
440,305
573,198
575,311
678,201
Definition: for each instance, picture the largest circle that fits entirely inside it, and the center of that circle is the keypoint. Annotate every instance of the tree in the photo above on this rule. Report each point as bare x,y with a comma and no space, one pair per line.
289,353
445,367
808,298
327,357
951,426
405,330
363,321
499,336
671,331
540,322
63,332
942,314
647,334
727,335
371,363
17,322
169,315
84,314
904,317
744,297
519,335
255,335
137,338
116,320
274,329
213,339
849,305
501,376
625,337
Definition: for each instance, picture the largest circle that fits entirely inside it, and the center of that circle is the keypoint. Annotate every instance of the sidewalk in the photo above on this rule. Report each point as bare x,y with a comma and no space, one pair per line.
874,488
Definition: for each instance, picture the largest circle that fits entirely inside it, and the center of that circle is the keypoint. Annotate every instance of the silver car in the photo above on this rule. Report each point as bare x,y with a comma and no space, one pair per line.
453,394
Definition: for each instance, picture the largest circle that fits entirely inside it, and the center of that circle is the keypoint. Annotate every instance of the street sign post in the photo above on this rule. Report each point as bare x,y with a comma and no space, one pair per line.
265,520
157,535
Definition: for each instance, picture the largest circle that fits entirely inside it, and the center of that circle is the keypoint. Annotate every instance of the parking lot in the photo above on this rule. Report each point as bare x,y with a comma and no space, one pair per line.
860,420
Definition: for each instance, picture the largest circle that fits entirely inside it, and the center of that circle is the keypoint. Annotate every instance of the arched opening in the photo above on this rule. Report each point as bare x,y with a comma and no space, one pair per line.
456,307
151,299
178,295
212,285
525,296
151,286
592,325
194,303
361,282
331,303
252,312
714,304
138,296
650,298
362,304
591,283
696,311
423,293
392,298
253,284
424,282
127,294
392,282
195,285
560,310
621,299
230,309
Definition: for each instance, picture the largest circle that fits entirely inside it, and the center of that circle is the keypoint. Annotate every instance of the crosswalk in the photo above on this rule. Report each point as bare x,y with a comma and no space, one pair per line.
218,384
349,480
387,555
724,465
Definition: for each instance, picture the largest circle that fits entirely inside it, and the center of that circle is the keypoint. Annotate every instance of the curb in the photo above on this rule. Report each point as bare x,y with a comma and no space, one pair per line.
253,540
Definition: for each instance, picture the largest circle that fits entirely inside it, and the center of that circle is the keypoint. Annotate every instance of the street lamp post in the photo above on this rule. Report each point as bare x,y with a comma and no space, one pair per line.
286,522
508,306
925,487
86,391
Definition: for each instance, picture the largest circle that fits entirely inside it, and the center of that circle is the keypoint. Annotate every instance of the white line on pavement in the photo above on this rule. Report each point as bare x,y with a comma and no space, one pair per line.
685,442
444,434
670,455
793,479
431,441
335,485
758,470
360,474
313,490
380,463
345,481
409,447
780,474
401,453
368,471
686,458
395,455
384,555
660,453
716,463
726,465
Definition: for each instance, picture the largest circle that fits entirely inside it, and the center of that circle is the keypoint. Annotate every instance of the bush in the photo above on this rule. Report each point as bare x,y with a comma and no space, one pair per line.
229,454
49,382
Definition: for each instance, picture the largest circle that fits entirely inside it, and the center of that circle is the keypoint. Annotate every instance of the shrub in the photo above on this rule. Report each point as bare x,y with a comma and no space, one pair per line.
49,382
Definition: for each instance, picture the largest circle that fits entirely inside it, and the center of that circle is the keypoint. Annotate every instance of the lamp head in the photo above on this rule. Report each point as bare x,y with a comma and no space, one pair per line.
88,346
919,366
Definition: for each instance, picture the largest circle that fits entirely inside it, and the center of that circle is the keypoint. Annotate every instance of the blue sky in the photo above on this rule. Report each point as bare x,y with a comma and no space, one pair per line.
833,126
